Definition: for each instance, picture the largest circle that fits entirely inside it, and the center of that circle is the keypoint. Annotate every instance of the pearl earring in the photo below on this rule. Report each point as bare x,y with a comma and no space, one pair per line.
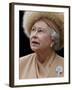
51,45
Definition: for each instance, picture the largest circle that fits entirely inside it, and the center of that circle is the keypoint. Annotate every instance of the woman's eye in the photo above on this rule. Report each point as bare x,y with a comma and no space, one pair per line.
40,30
33,29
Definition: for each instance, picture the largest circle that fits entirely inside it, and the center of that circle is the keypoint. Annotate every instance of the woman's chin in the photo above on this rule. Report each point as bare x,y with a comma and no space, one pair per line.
35,48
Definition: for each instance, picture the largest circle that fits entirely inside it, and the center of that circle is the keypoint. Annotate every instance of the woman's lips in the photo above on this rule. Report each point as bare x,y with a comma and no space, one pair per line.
35,42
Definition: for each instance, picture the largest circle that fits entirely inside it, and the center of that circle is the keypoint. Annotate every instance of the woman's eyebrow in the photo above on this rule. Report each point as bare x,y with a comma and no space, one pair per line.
43,28
40,27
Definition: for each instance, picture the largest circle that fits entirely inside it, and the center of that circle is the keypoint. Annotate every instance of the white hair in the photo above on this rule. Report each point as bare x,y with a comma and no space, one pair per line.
56,38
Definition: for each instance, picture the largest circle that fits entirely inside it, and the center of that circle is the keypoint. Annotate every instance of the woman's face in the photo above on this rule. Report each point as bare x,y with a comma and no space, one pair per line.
40,38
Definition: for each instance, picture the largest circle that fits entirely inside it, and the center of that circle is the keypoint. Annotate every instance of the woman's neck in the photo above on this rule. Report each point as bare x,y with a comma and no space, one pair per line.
43,55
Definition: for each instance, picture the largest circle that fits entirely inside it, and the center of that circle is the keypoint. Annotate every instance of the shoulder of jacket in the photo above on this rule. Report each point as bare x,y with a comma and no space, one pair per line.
26,58
59,59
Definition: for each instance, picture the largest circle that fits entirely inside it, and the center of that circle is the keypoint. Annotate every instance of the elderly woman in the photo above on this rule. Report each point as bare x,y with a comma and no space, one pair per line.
45,31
